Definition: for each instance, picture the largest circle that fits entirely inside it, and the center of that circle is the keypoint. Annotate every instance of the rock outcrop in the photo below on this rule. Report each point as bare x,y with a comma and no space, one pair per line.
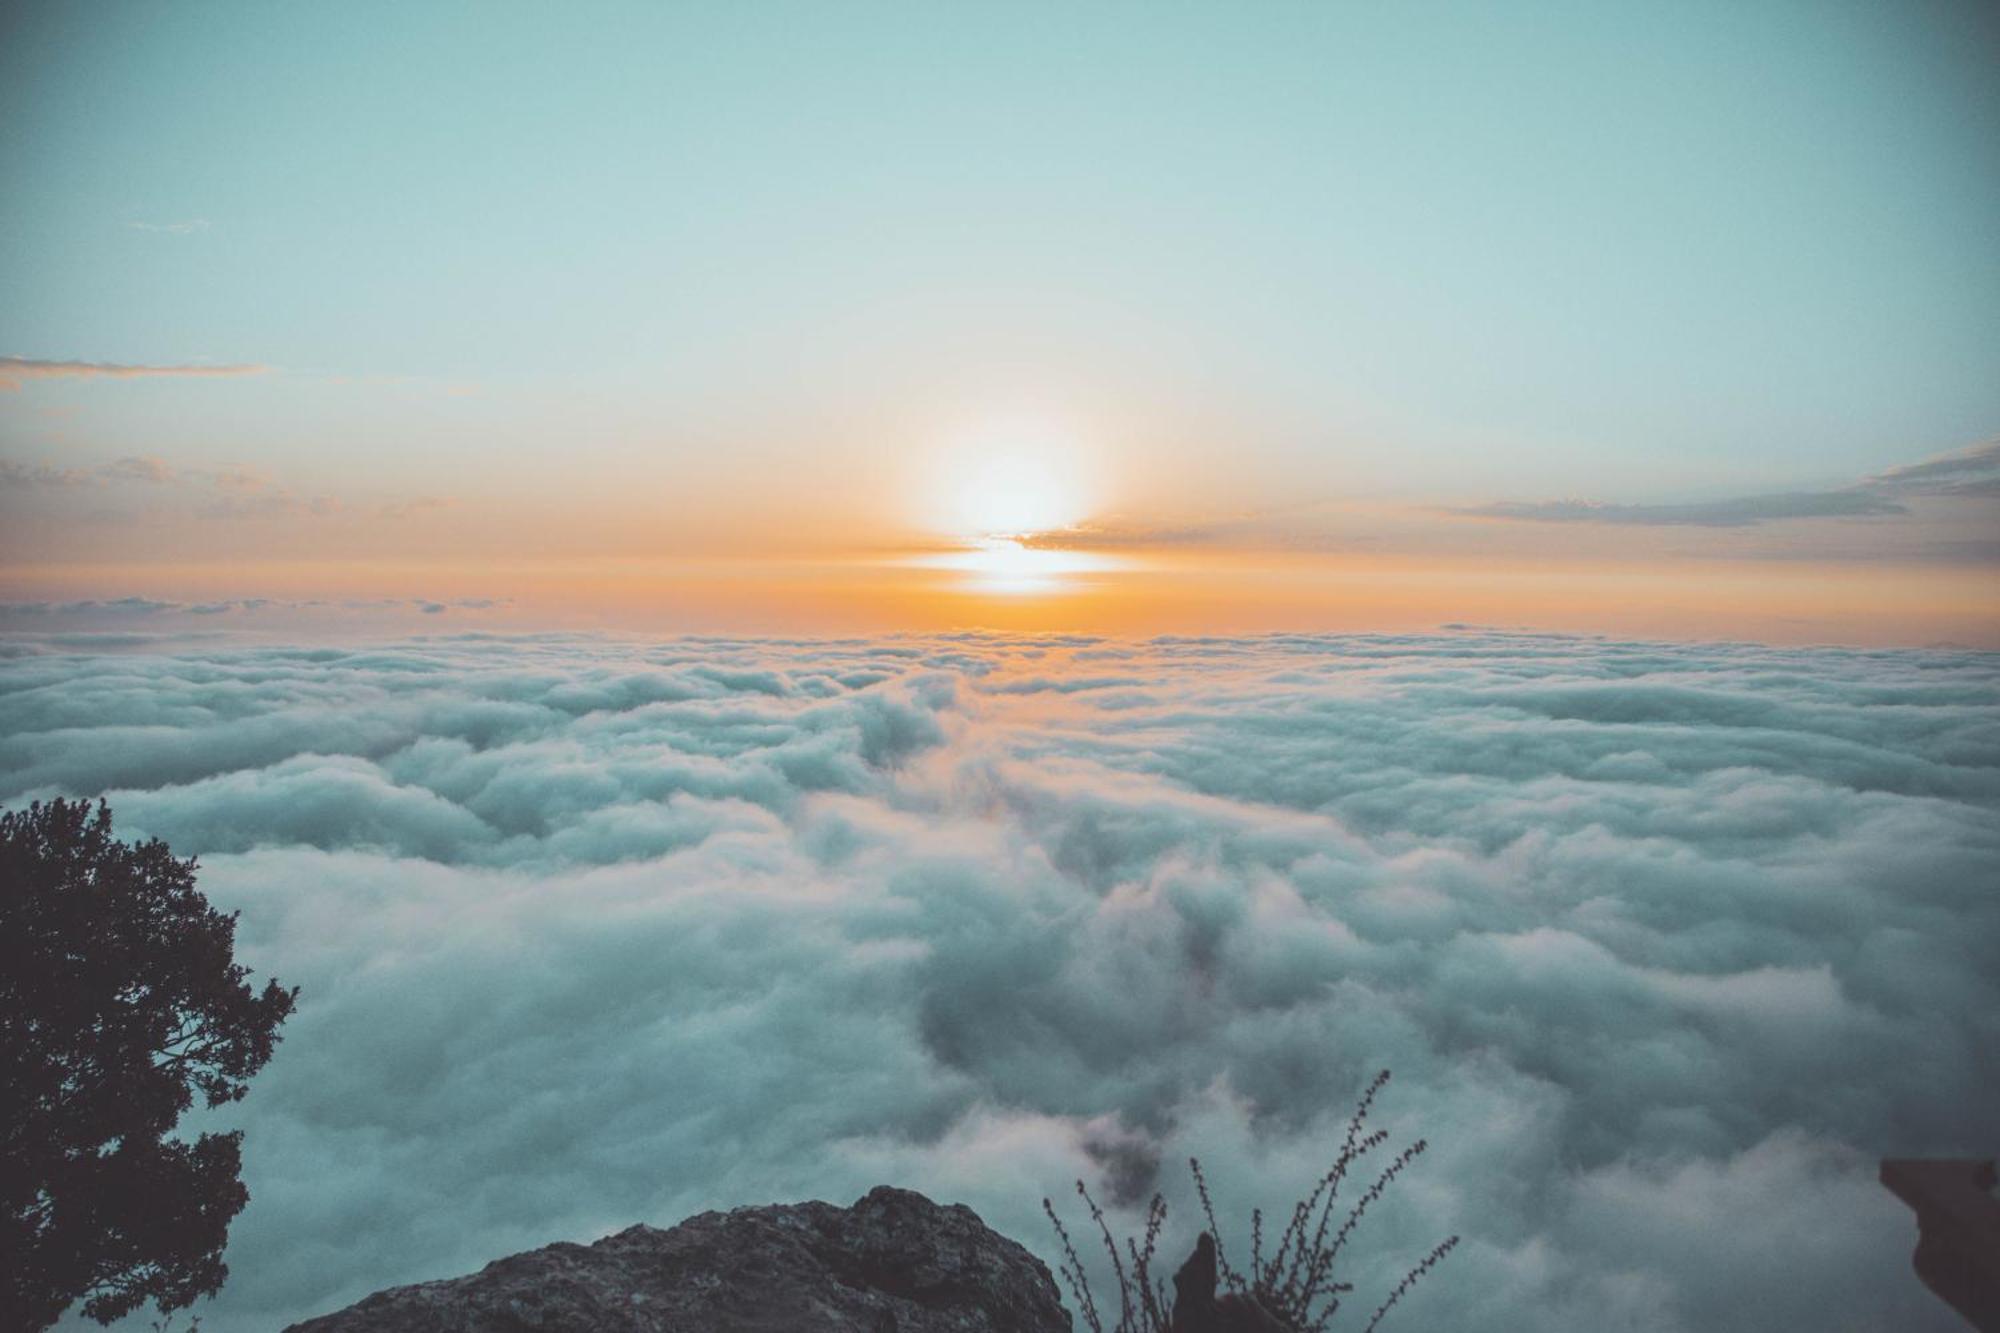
893,1263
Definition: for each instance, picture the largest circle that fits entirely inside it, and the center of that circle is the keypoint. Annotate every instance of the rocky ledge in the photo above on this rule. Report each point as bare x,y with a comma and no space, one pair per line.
893,1263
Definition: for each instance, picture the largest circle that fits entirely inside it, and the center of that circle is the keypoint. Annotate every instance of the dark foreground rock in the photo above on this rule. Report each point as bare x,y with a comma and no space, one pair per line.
893,1263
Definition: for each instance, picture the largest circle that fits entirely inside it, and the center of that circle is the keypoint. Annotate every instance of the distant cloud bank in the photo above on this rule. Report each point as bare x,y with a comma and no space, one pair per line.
1666,944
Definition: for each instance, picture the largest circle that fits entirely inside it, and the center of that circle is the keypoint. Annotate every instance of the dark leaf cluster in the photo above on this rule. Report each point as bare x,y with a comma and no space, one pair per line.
120,1002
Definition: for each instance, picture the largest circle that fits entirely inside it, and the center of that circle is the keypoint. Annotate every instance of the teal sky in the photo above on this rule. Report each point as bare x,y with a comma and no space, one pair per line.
759,256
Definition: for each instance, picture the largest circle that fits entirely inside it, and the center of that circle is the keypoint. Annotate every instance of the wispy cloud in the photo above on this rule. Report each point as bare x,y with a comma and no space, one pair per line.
221,493
241,492
267,502
154,470
1737,512
416,504
1110,533
1291,527
17,370
120,608
1971,472
14,473
187,228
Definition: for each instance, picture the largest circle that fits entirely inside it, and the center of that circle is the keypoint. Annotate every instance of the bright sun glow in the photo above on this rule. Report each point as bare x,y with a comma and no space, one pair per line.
998,565
1011,477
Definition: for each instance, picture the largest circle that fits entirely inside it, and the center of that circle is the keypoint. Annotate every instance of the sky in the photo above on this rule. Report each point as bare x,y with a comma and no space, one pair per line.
757,600
1666,945
1664,321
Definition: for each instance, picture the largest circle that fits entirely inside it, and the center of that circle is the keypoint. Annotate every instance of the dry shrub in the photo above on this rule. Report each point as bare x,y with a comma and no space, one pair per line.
1295,1288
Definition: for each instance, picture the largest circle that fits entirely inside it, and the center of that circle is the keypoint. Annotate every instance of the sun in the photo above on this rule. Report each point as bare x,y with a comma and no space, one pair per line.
1004,567
1011,477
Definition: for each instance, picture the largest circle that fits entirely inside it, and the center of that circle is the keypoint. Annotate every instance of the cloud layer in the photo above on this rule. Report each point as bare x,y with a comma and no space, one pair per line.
1666,945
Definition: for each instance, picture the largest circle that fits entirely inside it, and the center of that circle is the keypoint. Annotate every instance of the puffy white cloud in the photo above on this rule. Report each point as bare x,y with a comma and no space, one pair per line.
1666,944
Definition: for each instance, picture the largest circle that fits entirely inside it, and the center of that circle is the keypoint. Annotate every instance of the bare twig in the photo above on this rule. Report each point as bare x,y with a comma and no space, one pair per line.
1292,1284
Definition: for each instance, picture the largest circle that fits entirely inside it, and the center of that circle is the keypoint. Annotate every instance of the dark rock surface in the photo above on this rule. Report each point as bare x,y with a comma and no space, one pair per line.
893,1263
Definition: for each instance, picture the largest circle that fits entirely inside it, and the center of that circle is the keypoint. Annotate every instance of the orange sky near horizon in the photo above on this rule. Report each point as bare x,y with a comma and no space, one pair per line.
1013,522
1134,593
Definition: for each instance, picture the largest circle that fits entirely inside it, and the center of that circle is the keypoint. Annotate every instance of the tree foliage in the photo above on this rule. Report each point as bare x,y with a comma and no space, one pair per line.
120,1001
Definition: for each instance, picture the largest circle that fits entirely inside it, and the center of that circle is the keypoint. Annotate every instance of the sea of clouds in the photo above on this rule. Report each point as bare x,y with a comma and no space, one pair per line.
1666,945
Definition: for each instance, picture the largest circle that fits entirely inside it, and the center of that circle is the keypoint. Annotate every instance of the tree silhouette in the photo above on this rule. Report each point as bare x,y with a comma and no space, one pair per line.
120,999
